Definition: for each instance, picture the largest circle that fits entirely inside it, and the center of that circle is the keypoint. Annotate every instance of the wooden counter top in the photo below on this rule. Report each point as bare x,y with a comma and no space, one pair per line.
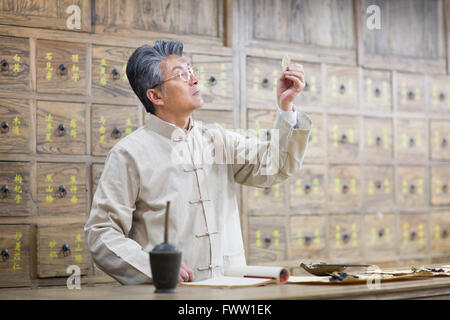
434,288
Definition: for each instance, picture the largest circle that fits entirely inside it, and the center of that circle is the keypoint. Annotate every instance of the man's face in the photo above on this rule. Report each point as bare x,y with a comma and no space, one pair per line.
178,95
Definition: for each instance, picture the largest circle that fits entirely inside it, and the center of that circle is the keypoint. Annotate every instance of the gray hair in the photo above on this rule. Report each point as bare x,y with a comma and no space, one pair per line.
144,68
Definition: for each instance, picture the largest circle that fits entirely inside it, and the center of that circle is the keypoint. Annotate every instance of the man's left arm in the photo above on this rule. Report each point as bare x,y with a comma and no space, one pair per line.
282,156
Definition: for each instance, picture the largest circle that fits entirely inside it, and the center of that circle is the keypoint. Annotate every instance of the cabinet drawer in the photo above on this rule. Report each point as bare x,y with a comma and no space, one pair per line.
413,235
61,127
440,234
378,139
410,92
17,244
342,87
262,78
344,233
412,186
215,75
439,93
307,238
61,67
110,124
344,186
109,76
312,93
307,187
15,194
379,186
343,138
269,200
61,246
61,189
380,237
14,126
14,64
439,140
440,179
224,118
376,92
316,141
267,239
411,140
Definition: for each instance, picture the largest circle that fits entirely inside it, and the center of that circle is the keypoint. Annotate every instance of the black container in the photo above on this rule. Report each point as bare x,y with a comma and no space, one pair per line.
165,261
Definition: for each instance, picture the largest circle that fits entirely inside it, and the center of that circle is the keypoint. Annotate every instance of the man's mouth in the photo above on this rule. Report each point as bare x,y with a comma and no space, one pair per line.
196,93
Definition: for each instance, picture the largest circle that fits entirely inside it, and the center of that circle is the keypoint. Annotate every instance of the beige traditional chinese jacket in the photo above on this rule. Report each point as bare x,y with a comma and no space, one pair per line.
160,162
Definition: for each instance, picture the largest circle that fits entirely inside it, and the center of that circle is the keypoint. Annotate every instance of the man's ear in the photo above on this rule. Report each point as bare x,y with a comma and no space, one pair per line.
155,96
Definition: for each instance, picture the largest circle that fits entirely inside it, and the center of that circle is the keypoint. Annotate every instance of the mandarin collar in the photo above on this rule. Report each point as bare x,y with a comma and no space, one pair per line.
168,129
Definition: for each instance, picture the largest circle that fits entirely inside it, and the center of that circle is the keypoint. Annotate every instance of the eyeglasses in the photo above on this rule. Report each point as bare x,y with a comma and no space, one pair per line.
184,74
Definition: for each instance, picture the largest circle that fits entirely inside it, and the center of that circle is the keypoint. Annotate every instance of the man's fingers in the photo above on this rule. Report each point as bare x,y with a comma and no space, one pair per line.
295,66
297,81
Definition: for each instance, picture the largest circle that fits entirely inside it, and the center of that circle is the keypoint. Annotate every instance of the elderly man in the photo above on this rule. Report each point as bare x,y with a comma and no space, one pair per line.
141,173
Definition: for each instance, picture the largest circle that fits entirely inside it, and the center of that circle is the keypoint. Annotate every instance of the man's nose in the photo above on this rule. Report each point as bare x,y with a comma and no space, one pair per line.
194,79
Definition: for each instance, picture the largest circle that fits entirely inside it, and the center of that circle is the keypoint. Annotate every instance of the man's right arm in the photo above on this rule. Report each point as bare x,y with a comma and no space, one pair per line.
110,221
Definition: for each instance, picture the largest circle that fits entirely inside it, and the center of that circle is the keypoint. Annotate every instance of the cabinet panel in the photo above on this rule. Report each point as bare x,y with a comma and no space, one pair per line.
343,138
61,189
440,179
412,187
440,231
410,92
14,64
342,87
61,246
61,127
413,235
344,186
14,126
379,186
439,140
61,67
376,91
110,124
15,189
307,238
380,237
307,187
378,140
17,244
267,239
344,238
411,142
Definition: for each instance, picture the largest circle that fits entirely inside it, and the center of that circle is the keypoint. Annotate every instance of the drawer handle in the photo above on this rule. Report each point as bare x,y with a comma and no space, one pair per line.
444,187
412,188
5,191
381,233
308,240
344,188
265,83
4,65
267,240
267,190
344,138
61,131
413,235
442,96
444,234
268,135
378,184
115,74
62,191
306,88
116,133
410,95
444,142
307,188
4,127
378,140
377,92
342,89
346,237
412,142
212,81
66,250
62,69
5,254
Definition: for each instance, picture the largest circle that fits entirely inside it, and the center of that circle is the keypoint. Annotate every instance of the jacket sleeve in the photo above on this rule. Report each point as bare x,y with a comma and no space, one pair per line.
263,163
110,221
